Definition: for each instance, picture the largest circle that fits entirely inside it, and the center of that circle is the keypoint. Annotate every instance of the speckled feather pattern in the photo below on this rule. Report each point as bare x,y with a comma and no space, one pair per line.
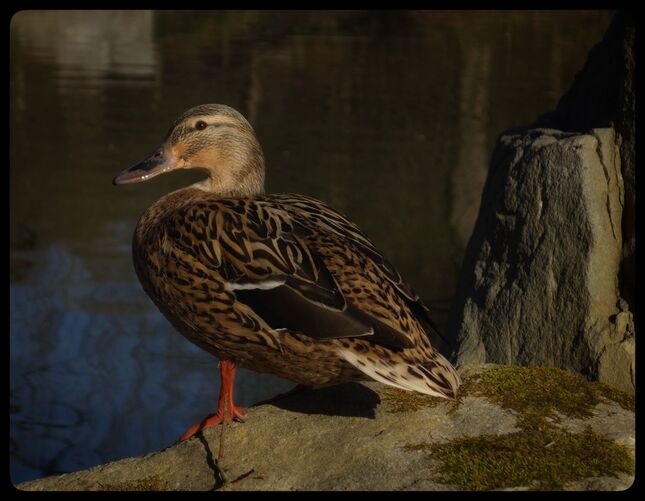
191,246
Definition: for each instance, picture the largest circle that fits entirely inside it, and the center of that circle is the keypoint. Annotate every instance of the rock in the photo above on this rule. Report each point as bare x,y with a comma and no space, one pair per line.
602,95
546,264
372,437
539,283
612,362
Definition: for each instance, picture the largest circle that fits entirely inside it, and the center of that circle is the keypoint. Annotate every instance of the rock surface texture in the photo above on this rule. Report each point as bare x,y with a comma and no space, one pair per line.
371,437
548,276
602,95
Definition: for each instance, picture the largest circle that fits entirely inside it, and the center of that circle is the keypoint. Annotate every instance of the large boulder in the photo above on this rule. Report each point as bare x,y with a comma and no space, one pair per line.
602,95
579,436
546,278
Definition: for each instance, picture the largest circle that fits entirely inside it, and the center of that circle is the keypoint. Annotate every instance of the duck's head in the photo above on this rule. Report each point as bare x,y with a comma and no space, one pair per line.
213,138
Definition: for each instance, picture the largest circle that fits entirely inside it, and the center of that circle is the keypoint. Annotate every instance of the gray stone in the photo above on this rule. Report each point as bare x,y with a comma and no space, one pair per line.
609,420
304,446
620,483
616,366
348,437
602,95
552,250
539,283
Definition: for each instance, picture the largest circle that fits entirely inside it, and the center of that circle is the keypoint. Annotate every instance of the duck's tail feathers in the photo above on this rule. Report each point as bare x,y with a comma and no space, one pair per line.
436,377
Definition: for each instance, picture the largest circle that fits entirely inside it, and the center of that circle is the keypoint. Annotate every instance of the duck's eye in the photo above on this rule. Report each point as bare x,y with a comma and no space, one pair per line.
201,125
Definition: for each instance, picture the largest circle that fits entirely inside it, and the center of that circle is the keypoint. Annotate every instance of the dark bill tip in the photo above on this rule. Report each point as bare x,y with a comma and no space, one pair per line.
158,163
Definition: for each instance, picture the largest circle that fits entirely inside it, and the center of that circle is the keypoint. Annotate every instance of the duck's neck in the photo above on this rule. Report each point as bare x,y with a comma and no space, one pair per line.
239,175
227,189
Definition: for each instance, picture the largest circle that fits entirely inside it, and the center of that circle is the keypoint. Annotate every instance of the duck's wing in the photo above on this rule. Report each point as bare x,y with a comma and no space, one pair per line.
320,219
276,260
317,216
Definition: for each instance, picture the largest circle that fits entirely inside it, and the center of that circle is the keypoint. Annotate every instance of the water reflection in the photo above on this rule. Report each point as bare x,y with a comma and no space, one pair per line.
88,385
90,52
389,117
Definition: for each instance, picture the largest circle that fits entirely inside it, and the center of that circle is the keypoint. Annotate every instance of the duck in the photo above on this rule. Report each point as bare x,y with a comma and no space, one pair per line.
276,283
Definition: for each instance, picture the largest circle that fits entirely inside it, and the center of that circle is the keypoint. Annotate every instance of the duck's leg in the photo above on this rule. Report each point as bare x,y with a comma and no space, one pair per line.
226,409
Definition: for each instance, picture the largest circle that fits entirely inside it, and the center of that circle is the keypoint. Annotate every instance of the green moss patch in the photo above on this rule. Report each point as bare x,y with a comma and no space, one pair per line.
407,401
543,391
625,400
151,483
542,458
540,455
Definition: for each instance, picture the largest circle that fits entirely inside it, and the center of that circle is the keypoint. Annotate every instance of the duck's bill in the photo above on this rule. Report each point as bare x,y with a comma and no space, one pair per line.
158,163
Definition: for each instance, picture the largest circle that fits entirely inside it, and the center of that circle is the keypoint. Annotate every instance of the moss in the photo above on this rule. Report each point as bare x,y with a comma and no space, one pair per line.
407,401
546,391
151,483
543,391
623,399
540,455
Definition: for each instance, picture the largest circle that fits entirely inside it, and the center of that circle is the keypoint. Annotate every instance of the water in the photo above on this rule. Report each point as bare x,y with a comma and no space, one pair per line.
391,118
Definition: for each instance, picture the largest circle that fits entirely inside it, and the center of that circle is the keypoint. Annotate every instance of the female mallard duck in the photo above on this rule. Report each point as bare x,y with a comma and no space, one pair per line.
274,283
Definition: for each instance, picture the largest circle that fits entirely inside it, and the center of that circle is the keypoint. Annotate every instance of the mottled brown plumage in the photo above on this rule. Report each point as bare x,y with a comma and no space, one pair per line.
277,283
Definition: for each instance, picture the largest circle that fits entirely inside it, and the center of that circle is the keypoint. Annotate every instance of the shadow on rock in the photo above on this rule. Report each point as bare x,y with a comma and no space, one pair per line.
347,399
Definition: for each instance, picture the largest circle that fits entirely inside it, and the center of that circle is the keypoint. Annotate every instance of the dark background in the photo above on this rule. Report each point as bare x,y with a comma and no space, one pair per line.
389,117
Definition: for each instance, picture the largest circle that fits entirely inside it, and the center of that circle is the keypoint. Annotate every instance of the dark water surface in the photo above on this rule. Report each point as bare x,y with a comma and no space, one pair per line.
391,118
